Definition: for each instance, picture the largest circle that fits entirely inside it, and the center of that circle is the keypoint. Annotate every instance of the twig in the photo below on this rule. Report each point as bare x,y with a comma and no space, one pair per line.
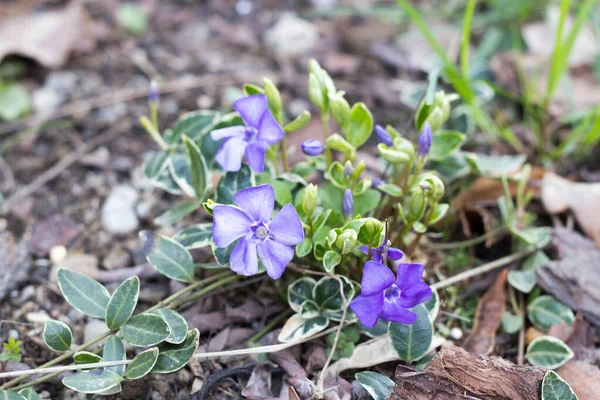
521,355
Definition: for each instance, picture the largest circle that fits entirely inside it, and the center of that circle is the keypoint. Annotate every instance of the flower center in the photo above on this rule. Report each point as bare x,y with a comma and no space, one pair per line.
262,232
250,133
392,293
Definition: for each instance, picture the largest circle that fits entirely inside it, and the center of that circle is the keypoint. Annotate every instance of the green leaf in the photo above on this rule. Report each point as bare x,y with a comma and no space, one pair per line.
173,357
300,291
114,350
445,143
326,294
165,181
199,170
122,303
8,395
380,329
145,330
195,236
57,335
172,260
499,165
142,364
156,164
366,202
113,390
336,175
361,125
545,311
412,342
555,388
180,171
96,381
233,182
331,259
536,236
309,309
222,255
433,304
304,248
133,18
14,101
439,213
379,386
548,352
194,125
390,189
297,328
86,357
177,212
177,324
511,323
29,394
83,293
523,281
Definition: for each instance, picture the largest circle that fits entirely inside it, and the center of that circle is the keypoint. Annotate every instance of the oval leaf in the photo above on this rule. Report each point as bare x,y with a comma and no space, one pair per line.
548,352
300,291
8,395
177,212
361,125
412,341
96,381
114,350
195,236
122,303
445,143
545,311
297,328
57,335
511,323
233,182
433,304
379,386
198,168
29,394
86,357
555,388
142,364
83,293
156,164
145,330
172,260
331,259
326,293
172,357
180,172
177,324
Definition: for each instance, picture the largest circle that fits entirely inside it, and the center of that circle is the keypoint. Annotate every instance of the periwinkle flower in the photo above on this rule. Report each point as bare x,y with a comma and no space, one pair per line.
348,203
250,222
260,131
384,136
153,93
312,147
377,182
425,139
377,253
383,298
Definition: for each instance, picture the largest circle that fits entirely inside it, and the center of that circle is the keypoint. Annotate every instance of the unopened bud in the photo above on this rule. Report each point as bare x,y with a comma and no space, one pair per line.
348,204
425,139
153,93
312,147
416,206
383,135
309,199
347,241
436,188
348,169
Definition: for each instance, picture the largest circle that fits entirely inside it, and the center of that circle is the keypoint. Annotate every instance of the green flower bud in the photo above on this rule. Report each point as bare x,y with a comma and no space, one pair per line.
338,143
405,146
392,155
436,113
416,206
340,108
348,169
315,94
309,199
370,232
360,167
433,187
300,122
347,241
250,89
273,98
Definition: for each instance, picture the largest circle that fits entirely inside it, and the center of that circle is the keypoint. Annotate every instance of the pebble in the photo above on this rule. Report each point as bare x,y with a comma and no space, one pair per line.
86,264
38,317
58,254
456,333
117,258
93,329
98,158
13,333
46,100
27,293
118,211
292,36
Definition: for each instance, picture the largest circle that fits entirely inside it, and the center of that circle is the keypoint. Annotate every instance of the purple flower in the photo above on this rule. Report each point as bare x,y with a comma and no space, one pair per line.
252,140
153,93
425,139
312,147
348,204
377,182
384,136
251,223
393,253
383,298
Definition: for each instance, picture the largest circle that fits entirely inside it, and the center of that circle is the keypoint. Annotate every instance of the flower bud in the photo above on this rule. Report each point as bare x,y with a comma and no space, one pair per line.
347,241
348,169
416,206
312,147
436,188
340,109
153,93
392,155
371,231
383,135
273,97
348,204
338,143
300,122
309,199
425,139
436,113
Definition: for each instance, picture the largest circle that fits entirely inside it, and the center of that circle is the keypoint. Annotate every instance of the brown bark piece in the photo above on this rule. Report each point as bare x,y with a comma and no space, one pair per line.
573,279
456,374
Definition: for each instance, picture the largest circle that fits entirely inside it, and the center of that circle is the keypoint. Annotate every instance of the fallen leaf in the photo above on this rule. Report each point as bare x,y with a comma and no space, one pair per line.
561,331
559,195
287,360
584,379
337,389
51,232
456,374
316,358
573,278
582,340
259,384
14,263
207,322
249,311
48,37
488,317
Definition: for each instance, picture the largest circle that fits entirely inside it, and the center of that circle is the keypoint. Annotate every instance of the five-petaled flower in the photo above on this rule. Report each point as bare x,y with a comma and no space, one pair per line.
251,223
261,130
383,298
377,254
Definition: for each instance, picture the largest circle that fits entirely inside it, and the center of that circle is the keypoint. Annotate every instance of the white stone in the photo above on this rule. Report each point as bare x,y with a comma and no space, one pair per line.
292,36
118,211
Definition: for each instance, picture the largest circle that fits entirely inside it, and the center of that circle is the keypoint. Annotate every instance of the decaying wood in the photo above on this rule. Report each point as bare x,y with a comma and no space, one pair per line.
573,279
456,374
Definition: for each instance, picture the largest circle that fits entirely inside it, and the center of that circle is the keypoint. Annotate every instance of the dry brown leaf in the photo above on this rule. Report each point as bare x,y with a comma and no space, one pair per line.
456,374
288,361
559,195
584,379
488,317
48,37
259,384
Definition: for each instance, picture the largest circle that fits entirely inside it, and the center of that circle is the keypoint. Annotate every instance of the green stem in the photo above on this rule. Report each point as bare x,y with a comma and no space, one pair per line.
200,293
326,133
284,157
268,327
273,157
467,243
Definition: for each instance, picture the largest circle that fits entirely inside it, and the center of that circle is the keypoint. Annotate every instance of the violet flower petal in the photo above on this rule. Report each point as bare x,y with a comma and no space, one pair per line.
394,254
312,147
229,224
257,202
364,249
408,275
416,294
255,155
269,130
376,278
383,135
286,226
229,132
251,109
367,308
394,312
275,257
243,257
229,156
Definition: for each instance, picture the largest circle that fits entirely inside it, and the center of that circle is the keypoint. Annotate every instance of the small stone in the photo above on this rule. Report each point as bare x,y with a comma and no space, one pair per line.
58,254
292,36
27,293
98,158
86,264
117,258
143,209
94,329
13,333
456,333
37,317
46,100
118,211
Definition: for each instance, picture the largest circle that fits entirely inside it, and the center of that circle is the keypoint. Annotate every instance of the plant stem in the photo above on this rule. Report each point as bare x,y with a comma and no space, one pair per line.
268,327
521,355
284,157
202,292
466,243
325,122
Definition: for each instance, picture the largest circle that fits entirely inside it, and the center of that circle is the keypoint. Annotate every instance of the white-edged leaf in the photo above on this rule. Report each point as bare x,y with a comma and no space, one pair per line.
83,293
142,364
177,324
412,341
433,304
177,212
86,357
511,323
114,350
122,303
156,164
145,330
96,381
233,182
172,260
555,388
545,311
326,294
300,291
548,352
29,394
113,390
8,395
445,143
198,168
379,386
297,328
180,171
195,236
57,335
172,357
